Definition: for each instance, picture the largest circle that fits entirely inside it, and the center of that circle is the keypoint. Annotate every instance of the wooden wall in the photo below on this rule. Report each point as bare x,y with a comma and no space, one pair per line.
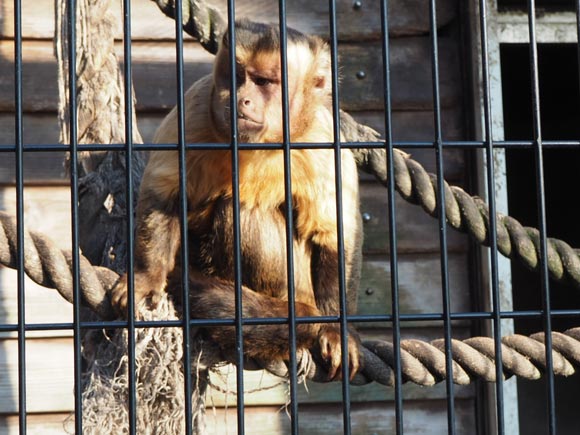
47,196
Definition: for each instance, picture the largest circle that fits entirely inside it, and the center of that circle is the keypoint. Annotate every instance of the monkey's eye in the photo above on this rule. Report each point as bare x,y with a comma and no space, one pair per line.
262,81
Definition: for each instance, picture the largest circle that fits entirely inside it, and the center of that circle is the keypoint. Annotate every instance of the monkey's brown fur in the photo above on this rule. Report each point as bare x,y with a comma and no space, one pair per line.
262,200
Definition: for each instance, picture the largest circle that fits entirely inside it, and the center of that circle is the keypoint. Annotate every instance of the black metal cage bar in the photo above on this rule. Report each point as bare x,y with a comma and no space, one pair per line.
293,372
128,100
395,319
184,253
18,135
399,427
546,315
74,183
490,179
442,218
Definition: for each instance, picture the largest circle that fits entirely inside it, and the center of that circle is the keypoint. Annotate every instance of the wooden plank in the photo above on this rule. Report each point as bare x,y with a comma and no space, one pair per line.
154,63
417,232
263,388
406,17
369,418
42,306
46,210
49,375
39,424
419,292
46,167
415,125
419,286
412,126
50,368
410,63
419,418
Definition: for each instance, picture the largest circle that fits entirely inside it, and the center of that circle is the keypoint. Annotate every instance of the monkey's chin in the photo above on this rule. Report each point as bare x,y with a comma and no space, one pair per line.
249,131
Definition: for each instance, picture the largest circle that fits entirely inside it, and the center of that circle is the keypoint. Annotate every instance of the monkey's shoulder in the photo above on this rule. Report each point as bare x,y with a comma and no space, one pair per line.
198,126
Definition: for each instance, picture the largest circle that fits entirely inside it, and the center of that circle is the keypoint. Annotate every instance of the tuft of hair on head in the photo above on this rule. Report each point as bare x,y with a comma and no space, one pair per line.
262,36
321,67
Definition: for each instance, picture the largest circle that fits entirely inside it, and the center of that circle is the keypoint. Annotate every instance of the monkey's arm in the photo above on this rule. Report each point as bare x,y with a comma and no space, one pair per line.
327,295
157,237
325,268
212,298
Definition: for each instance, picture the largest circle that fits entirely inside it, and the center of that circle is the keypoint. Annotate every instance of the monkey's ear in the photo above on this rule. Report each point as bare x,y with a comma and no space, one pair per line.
226,41
320,82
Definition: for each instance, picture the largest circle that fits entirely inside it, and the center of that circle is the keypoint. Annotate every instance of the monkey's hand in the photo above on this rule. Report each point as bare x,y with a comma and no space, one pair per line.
145,288
331,351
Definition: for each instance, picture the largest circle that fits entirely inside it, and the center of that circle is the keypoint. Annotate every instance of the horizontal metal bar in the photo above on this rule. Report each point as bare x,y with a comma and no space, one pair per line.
358,318
524,144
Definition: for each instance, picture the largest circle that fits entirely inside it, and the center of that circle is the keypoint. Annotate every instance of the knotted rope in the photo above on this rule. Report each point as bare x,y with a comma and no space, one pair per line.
471,215
421,362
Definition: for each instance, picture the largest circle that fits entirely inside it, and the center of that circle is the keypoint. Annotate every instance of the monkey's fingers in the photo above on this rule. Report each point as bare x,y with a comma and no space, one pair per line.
119,295
353,357
330,350
143,290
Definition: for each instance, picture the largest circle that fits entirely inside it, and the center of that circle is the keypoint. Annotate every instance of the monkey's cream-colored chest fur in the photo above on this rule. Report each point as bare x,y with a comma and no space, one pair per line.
262,185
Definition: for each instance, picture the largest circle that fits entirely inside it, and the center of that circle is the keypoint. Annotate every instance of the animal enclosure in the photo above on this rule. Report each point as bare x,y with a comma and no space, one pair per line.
448,85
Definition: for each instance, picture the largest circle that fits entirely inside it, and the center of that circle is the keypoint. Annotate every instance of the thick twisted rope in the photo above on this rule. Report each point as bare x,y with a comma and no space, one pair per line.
463,212
471,215
50,266
201,21
421,362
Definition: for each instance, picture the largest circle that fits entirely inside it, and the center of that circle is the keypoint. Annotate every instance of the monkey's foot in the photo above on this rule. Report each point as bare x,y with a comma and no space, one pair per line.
331,351
145,289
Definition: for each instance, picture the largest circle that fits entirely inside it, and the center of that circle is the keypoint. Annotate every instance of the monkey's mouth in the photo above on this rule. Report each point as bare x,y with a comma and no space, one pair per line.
247,123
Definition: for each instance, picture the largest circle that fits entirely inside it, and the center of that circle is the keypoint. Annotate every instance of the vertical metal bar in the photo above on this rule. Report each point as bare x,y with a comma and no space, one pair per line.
442,219
490,173
236,218
72,80
537,140
289,217
18,135
184,252
127,70
339,218
392,220
578,36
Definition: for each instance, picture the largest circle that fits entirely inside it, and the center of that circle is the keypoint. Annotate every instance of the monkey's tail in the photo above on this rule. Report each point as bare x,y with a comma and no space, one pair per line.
215,299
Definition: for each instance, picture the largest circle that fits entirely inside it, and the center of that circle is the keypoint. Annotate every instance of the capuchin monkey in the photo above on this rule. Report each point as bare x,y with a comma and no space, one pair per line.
262,201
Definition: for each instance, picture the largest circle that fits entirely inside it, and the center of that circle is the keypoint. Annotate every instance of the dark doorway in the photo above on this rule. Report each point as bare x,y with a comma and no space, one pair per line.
558,5
560,120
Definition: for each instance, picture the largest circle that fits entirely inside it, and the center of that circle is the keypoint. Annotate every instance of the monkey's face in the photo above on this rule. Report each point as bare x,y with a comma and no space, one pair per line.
259,99
259,92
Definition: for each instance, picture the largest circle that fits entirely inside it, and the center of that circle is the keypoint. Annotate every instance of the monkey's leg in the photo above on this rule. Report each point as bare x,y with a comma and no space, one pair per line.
215,299
326,293
156,244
